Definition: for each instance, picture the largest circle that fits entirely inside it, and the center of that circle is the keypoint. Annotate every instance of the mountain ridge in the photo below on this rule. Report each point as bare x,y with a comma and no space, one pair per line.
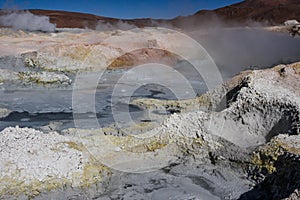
263,11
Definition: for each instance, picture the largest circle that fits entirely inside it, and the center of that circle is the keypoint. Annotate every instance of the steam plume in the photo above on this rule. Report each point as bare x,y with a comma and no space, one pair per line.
25,20
120,25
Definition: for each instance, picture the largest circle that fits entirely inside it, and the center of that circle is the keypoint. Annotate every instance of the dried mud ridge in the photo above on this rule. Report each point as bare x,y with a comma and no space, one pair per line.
244,146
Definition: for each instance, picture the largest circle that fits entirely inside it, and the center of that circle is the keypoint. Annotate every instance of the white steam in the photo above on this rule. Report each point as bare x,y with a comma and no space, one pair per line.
237,49
27,21
120,25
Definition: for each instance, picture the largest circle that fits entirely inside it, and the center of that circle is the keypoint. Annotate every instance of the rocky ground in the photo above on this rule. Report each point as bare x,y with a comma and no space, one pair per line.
246,147
239,140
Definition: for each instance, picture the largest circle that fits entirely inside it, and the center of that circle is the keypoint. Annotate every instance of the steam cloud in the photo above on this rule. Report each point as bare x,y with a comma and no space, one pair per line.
237,49
25,20
120,25
233,46
239,46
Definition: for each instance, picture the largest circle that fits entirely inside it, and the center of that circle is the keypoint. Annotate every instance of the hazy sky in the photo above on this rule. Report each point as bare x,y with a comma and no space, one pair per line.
122,8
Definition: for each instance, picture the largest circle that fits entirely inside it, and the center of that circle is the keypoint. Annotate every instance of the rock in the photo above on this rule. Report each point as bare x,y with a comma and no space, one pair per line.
4,112
293,27
256,135
246,146
256,104
143,56
7,75
44,78
278,163
217,149
294,196
296,30
291,22
33,162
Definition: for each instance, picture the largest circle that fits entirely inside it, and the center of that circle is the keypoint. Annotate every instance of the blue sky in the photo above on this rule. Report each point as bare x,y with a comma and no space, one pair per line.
122,8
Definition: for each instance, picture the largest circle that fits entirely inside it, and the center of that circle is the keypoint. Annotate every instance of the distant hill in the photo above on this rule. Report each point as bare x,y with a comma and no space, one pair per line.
249,11
270,11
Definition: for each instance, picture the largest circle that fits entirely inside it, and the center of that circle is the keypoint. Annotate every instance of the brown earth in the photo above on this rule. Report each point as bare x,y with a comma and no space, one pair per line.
271,11
143,56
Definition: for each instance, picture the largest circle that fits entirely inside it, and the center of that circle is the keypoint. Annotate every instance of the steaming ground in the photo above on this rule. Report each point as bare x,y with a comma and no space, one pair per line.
32,60
258,147
38,72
